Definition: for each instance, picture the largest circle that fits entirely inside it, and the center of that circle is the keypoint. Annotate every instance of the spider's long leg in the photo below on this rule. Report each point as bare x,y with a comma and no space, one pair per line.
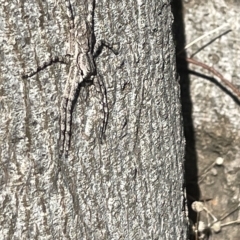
101,89
76,80
70,13
100,44
56,59
63,113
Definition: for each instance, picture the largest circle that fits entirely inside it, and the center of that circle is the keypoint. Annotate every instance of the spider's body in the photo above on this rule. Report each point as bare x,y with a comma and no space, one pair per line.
82,68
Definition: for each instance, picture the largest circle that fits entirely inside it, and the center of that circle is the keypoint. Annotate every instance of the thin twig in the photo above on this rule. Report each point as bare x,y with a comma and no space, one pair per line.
230,223
221,80
227,214
203,36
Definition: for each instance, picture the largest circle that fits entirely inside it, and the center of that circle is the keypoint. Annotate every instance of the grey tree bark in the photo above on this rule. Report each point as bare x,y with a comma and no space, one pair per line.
131,185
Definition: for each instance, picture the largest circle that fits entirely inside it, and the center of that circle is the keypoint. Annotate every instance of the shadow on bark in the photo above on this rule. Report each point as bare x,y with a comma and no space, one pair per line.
191,170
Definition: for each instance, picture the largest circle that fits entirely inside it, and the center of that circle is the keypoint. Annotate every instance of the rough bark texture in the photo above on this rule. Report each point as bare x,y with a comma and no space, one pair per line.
131,185
211,114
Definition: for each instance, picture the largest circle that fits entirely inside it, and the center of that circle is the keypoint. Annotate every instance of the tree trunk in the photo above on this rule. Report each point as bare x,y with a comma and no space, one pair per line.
129,184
